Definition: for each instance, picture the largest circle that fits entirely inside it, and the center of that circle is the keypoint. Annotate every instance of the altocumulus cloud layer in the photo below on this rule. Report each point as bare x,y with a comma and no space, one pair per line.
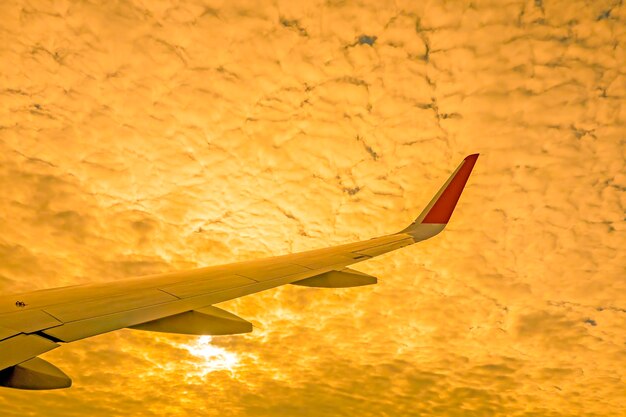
141,137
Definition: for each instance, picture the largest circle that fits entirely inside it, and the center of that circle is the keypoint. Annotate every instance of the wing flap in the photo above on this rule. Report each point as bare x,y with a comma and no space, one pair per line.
23,347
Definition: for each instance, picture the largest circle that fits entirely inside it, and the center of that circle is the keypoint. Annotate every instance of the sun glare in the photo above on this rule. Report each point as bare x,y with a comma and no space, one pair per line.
213,358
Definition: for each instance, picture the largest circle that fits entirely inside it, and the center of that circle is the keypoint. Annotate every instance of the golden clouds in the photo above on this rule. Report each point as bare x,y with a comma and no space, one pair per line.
140,137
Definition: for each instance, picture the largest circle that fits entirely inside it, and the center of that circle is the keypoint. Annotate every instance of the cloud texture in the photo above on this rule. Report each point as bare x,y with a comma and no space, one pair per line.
147,136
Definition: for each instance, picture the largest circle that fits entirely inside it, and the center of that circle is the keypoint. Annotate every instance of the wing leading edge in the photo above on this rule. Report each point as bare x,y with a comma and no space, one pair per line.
182,302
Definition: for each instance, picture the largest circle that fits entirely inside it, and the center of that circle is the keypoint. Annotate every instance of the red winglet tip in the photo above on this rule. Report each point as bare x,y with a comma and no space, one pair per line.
441,211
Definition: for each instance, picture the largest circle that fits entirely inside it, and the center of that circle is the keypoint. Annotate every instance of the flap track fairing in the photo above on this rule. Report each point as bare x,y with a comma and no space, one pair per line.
34,374
210,320
345,278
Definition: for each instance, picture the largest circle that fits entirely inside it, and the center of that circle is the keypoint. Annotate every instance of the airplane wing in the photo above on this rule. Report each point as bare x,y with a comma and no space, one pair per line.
182,302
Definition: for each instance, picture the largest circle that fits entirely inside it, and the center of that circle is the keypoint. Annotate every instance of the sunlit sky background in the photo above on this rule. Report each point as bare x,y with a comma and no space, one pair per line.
147,136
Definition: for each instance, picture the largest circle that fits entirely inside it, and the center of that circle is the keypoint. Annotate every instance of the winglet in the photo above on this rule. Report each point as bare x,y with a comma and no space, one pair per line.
440,208
447,197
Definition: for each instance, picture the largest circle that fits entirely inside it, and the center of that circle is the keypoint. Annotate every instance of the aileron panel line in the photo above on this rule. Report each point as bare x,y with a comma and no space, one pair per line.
379,250
190,289
28,321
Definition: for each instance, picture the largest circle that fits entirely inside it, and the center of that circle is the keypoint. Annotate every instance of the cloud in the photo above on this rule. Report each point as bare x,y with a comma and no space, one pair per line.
143,137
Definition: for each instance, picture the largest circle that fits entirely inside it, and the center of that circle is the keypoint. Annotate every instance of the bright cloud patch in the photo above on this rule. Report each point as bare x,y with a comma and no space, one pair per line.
211,358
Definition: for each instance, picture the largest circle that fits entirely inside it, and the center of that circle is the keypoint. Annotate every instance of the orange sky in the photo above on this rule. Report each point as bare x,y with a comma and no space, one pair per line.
141,137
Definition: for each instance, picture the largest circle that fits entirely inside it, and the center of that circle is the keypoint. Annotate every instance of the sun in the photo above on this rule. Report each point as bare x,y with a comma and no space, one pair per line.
212,358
